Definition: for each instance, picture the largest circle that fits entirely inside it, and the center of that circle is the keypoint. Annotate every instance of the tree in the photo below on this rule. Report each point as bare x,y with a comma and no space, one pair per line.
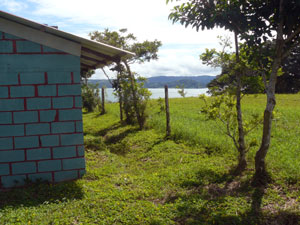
90,96
181,90
207,14
144,52
255,22
251,82
278,22
289,82
220,108
86,74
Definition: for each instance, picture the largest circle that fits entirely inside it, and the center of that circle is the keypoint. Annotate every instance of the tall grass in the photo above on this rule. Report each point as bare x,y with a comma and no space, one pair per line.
189,126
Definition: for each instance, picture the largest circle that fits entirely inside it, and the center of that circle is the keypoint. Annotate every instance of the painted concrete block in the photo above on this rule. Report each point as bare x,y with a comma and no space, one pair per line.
23,167
28,46
3,92
40,177
78,102
6,46
37,62
65,175
76,77
79,126
22,91
8,78
32,78
59,77
36,129
11,130
27,142
11,104
6,143
12,156
48,115
81,173
63,127
62,102
4,169
64,152
80,150
38,103
38,154
67,90
5,117
71,139
49,140
13,181
44,75
49,165
26,117
70,114
47,90
70,164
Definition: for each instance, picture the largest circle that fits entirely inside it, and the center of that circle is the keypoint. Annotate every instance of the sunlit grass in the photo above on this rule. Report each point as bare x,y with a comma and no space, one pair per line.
140,177
189,126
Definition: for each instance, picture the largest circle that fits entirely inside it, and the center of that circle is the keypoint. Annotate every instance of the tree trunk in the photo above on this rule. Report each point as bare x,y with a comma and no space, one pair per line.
103,101
261,175
135,100
121,106
242,164
119,92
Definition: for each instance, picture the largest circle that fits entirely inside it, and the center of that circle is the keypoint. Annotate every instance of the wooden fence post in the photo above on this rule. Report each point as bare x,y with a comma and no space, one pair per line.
168,130
103,100
121,107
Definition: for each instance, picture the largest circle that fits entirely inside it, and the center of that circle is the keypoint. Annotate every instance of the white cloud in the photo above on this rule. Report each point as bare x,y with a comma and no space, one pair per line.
146,19
13,5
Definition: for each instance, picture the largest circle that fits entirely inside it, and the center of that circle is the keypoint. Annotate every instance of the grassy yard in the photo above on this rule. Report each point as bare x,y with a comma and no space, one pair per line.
139,177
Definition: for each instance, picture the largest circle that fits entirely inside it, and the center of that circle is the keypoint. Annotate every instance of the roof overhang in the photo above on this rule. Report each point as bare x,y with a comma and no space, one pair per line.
93,55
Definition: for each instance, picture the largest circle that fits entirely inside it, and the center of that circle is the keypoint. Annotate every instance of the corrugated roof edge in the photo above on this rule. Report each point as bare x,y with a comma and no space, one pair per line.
93,45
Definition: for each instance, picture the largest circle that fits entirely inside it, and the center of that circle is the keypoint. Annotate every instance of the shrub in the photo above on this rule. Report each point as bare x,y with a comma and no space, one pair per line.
90,97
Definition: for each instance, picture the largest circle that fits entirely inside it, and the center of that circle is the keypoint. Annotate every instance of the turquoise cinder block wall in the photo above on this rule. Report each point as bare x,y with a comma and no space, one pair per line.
41,136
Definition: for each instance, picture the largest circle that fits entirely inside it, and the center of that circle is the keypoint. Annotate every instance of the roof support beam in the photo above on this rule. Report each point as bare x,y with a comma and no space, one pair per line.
93,59
107,57
88,66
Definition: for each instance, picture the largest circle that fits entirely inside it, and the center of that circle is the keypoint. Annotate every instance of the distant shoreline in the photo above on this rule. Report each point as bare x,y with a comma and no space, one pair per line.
189,82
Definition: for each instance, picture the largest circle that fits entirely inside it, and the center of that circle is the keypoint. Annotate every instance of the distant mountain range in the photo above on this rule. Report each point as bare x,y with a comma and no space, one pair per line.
171,81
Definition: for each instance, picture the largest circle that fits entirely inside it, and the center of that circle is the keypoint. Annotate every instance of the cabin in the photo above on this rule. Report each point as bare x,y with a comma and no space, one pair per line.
41,130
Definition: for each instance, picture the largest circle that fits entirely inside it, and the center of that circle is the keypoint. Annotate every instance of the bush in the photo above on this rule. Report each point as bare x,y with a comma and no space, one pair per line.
90,97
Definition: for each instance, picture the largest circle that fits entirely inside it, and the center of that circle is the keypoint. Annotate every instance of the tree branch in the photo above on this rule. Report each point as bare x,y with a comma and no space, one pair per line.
292,36
232,137
263,74
107,76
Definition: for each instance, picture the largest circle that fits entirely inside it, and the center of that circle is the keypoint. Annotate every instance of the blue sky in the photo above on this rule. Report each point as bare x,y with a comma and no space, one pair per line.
147,19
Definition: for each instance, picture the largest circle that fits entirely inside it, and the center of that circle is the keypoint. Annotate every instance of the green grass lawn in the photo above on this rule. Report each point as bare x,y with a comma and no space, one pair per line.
139,177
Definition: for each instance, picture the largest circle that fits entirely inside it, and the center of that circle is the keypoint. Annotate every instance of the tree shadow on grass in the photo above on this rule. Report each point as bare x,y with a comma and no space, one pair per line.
95,140
116,144
104,131
113,139
223,199
158,142
40,193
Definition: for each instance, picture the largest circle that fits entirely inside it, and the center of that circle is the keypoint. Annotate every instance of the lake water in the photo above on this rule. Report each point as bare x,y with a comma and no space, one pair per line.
160,93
